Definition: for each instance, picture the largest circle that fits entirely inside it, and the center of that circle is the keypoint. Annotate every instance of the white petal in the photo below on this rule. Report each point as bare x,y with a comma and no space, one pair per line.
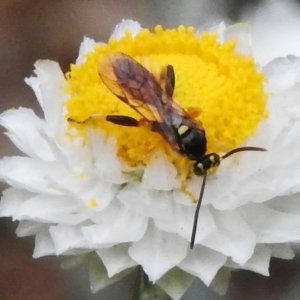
67,238
265,185
182,198
185,218
220,185
56,209
102,193
259,262
27,228
193,186
175,283
286,204
215,182
221,281
126,24
26,173
183,222
284,107
160,174
116,259
82,187
43,244
233,236
158,252
148,203
107,163
86,46
274,27
78,157
241,34
263,175
98,276
48,88
69,182
11,202
27,132
271,226
283,251
282,73
219,28
118,225
203,263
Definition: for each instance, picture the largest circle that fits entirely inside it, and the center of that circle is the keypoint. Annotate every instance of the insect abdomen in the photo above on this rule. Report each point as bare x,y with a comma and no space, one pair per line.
193,141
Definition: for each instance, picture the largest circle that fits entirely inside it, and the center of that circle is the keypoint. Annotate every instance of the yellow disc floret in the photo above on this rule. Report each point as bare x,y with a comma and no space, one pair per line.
219,87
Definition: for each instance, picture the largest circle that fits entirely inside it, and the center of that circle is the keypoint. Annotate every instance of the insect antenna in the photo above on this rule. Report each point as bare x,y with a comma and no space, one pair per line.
240,149
197,212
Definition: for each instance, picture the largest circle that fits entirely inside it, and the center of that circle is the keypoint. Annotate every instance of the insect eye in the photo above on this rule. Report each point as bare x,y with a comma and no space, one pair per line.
199,169
215,160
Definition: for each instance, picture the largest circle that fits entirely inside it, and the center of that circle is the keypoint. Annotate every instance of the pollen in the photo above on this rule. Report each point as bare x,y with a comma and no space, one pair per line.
221,89
79,175
93,202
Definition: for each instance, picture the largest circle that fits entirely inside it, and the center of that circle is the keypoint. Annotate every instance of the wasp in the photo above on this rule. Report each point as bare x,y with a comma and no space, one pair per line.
152,98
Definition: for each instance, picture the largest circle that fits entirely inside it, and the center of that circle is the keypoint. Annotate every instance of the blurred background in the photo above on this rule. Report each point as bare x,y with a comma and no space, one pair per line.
41,29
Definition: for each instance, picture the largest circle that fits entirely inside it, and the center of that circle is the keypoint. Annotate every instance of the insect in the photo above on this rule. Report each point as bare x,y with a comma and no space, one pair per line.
152,98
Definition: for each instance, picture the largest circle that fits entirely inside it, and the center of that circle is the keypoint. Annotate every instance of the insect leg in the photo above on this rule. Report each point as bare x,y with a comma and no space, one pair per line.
170,81
116,119
90,118
122,120
131,122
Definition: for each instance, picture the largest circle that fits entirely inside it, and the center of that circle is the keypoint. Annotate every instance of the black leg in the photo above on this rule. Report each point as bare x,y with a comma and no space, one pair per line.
170,81
123,120
116,119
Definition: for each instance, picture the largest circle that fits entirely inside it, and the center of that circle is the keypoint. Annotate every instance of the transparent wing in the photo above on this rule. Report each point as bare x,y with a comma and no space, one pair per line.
149,94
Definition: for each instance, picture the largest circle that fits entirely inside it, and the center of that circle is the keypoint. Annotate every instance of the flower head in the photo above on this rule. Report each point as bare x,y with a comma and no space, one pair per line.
220,87
91,186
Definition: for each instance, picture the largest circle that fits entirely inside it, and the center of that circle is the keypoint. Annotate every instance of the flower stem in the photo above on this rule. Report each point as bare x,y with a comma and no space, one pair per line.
141,283
145,290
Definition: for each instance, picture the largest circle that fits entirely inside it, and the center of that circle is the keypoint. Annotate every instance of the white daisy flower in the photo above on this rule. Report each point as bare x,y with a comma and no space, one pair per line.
118,197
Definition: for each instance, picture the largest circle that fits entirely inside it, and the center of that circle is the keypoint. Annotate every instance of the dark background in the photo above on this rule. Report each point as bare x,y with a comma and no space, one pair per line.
40,29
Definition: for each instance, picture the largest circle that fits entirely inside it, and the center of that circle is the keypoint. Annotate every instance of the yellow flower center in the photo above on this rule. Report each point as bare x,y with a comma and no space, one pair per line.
217,86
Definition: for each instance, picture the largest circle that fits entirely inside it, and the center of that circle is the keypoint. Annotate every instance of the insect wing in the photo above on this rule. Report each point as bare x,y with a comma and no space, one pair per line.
132,83
137,87
148,94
